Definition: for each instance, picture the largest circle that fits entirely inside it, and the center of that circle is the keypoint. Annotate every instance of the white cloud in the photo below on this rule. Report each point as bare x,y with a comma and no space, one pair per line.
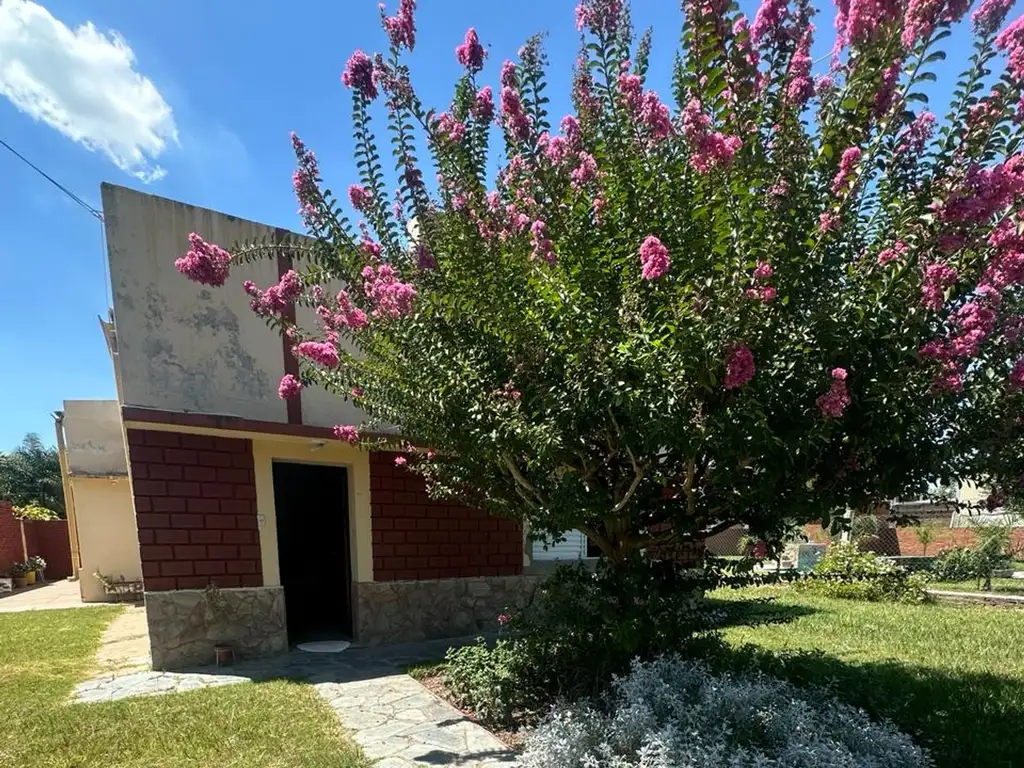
84,83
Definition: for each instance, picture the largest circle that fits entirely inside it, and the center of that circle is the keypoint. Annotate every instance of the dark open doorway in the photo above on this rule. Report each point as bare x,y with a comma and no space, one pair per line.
311,503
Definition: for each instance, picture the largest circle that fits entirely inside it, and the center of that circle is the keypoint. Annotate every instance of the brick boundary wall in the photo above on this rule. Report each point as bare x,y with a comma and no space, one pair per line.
10,538
416,537
51,541
195,508
903,541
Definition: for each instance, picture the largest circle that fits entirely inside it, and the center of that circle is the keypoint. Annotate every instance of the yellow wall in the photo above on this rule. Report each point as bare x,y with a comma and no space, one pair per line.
107,536
334,453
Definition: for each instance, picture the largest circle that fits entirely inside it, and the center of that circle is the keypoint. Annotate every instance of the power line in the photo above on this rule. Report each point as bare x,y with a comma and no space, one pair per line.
57,184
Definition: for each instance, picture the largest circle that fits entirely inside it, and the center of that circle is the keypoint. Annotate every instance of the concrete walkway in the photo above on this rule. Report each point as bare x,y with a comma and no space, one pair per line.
986,598
54,594
397,722
124,646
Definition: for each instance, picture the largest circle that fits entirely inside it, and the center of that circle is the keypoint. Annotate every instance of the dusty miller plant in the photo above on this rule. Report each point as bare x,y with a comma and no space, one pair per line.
766,295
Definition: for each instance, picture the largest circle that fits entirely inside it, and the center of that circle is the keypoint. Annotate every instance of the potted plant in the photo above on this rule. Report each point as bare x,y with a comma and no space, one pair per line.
38,565
20,574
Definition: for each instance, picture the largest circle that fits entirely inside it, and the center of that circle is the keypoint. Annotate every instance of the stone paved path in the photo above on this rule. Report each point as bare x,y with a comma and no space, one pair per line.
396,721
54,594
124,646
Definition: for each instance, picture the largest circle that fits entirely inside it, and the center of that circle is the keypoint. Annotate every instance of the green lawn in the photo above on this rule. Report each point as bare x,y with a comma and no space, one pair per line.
999,586
952,676
258,725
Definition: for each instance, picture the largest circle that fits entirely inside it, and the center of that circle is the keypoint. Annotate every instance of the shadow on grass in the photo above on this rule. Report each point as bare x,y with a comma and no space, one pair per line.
962,718
754,612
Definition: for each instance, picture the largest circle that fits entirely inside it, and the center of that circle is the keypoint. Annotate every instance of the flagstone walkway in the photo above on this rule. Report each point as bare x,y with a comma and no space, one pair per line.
397,722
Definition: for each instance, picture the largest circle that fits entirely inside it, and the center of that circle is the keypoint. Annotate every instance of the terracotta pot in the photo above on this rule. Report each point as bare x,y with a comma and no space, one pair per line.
223,654
19,582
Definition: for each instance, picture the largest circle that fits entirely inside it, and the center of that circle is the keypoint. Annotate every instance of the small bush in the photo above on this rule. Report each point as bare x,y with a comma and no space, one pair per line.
848,573
962,564
670,712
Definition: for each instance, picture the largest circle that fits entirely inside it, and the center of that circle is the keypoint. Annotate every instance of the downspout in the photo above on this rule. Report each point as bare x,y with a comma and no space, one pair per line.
69,498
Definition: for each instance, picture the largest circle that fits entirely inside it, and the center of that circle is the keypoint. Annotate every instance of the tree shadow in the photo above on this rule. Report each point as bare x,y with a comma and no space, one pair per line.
962,718
753,612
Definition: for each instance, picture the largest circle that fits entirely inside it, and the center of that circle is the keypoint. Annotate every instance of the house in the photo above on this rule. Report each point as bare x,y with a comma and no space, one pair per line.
246,520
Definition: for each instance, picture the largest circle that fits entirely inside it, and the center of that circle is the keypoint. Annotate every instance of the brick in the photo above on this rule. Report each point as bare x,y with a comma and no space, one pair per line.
210,567
174,568
426,524
230,582
172,536
181,456
154,552
193,582
146,536
439,561
222,552
203,506
186,521
150,569
377,537
162,471
405,497
404,524
243,566
185,489
201,474
383,524
406,574
214,459
247,522
382,497
140,471
488,524
233,475
245,491
438,537
217,491
162,584
383,575
252,580
136,437
200,442
145,455
459,537
242,460
151,520
220,522
165,439
417,562
168,504
375,482
142,504
448,549
384,550
392,537
233,445
237,507
404,550
239,537
429,573
417,537
150,488
469,525
190,552
249,551
204,537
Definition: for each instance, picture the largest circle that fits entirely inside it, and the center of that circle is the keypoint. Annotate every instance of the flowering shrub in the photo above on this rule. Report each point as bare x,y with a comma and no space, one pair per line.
670,712
847,572
757,299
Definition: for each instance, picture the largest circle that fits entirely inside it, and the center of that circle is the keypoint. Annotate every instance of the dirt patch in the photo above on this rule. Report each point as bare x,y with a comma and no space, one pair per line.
125,643
434,682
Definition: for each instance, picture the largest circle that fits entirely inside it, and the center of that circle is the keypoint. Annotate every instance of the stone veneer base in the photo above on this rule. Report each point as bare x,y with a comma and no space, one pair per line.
408,611
184,625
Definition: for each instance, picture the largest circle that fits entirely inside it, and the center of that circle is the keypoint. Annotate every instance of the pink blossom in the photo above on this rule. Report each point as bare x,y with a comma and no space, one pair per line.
401,28
508,75
990,16
391,297
571,131
401,461
913,138
1011,40
919,20
800,87
710,150
655,115
887,88
937,278
289,387
583,90
306,181
1016,378
349,315
357,391
322,352
347,432
768,22
543,248
951,243
516,121
601,17
599,205
828,222
654,258
847,168
504,618
360,197
763,271
358,75
451,128
557,150
950,378
483,105
277,298
470,53
984,191
632,90
858,21
895,252
739,368
585,172
834,402
204,262
424,258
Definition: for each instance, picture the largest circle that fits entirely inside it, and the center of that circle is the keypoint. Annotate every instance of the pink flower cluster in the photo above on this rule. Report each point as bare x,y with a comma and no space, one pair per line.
1016,379
1006,267
348,315
921,16
583,89
517,122
323,352
847,168
739,368
655,116
543,247
895,252
989,16
277,298
471,53
483,105
347,432
887,89
571,131
913,138
360,197
401,28
305,181
358,75
711,149
858,21
828,221
601,17
450,128
937,278
1011,40
654,258
800,87
632,90
950,377
204,262
834,402
985,191
289,387
391,297
762,290
584,173
769,26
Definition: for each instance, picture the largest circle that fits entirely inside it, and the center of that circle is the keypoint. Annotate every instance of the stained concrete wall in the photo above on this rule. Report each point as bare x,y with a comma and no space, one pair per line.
108,541
93,438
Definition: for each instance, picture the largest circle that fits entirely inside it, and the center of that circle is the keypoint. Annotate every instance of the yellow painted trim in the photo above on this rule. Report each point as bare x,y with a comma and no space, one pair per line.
303,450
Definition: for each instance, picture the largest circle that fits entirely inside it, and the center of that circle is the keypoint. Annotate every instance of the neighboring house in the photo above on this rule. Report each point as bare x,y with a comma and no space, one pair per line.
304,537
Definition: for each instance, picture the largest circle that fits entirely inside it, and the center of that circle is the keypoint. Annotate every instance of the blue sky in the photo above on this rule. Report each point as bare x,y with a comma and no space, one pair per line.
206,106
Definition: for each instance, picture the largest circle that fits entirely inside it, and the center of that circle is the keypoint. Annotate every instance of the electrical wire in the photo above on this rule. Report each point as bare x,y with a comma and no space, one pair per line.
92,211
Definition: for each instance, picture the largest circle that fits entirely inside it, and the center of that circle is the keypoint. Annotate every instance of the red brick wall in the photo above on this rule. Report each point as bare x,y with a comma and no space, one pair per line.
10,538
416,537
947,538
50,540
195,507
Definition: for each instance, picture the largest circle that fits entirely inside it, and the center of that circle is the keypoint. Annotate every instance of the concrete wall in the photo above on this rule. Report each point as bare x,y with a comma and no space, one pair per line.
93,438
107,537
186,347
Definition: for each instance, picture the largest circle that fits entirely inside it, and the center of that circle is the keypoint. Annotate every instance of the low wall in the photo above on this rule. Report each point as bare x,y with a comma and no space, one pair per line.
184,625
47,538
406,611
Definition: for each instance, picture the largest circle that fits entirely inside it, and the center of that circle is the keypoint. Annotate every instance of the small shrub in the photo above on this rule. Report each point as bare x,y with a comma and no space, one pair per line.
962,564
672,712
848,573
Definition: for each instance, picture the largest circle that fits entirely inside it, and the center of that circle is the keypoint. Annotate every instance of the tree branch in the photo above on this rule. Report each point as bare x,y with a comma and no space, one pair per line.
522,481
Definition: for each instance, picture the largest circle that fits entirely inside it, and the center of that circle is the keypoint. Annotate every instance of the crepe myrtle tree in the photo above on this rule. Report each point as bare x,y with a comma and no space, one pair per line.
780,296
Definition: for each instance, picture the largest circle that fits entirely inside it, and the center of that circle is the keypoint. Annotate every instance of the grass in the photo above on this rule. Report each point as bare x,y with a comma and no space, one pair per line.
999,586
952,676
44,653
